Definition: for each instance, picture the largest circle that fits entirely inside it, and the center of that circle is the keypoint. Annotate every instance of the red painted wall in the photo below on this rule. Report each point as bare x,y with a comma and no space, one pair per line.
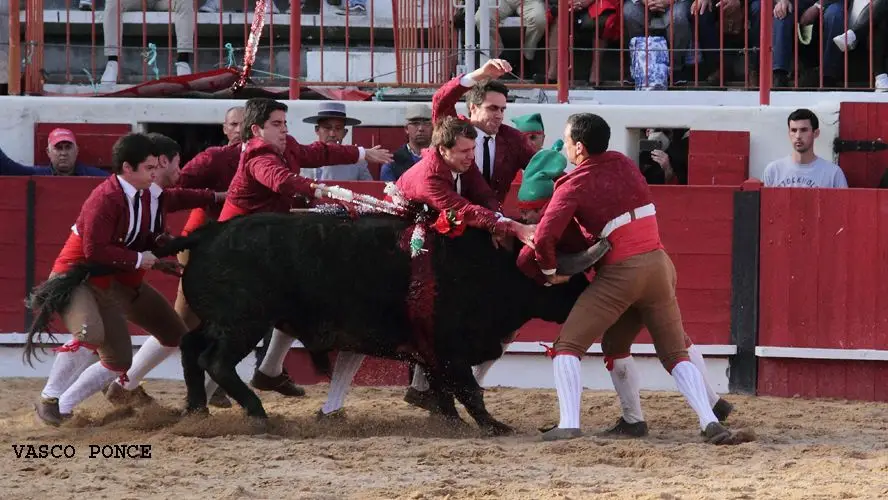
12,252
824,284
824,268
695,222
865,121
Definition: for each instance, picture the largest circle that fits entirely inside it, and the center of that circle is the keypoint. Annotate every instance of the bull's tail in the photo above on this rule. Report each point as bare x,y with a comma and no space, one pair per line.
51,298
181,243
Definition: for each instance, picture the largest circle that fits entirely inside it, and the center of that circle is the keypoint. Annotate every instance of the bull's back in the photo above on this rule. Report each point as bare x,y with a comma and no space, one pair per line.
325,267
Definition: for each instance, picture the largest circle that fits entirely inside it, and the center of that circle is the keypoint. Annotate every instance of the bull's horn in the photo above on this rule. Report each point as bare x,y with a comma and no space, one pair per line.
570,264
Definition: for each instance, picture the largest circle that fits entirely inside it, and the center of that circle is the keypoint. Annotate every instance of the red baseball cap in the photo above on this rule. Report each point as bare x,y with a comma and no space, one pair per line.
61,135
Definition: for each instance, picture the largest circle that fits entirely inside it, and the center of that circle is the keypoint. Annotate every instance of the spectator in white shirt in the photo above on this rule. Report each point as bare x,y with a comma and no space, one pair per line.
803,168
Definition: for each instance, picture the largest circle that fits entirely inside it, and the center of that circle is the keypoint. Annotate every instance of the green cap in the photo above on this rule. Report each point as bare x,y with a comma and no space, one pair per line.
538,182
529,123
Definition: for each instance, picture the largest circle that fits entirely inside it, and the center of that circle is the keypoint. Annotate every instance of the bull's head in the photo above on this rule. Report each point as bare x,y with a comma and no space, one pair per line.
553,303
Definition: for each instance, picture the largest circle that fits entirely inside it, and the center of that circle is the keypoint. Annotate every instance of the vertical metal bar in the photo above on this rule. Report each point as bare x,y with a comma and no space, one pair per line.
396,33
483,29
295,48
563,50
469,34
765,55
15,48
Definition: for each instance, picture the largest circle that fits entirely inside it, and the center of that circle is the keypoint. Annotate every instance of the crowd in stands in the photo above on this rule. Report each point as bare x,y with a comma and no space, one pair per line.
664,42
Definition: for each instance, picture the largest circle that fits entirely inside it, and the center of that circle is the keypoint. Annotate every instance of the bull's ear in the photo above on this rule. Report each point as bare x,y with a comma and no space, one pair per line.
570,264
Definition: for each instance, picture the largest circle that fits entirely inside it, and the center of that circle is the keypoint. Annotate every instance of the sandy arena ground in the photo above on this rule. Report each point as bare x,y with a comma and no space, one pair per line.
386,449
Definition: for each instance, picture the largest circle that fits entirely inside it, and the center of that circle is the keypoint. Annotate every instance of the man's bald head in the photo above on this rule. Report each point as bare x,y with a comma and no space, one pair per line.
234,117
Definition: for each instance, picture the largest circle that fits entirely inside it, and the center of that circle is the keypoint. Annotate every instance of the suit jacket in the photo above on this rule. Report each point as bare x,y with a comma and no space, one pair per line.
266,181
213,168
431,181
99,234
513,150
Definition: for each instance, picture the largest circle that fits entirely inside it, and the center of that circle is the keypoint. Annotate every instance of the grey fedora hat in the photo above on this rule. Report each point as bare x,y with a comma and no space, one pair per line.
330,109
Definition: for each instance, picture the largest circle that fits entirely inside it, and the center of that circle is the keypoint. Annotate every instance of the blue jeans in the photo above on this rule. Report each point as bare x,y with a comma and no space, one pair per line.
833,25
708,32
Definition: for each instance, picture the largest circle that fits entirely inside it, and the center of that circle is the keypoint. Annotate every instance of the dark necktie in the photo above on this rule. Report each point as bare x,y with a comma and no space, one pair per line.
456,184
135,218
485,171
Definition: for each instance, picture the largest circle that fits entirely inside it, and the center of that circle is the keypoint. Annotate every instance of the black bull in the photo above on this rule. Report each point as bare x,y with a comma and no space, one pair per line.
345,284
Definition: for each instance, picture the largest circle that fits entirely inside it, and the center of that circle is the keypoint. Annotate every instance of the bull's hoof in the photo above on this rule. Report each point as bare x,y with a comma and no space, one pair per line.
717,434
497,428
198,411
258,425
219,399
427,400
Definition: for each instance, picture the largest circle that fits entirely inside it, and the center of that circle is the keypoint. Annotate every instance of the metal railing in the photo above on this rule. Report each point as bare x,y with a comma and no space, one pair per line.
602,44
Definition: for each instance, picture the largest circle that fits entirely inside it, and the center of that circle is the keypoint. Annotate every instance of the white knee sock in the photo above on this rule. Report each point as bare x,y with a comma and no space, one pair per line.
482,369
697,359
273,363
569,386
151,354
625,378
690,382
68,365
91,381
347,364
420,382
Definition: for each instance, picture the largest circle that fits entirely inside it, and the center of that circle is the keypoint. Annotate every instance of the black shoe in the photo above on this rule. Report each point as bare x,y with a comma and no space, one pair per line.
716,433
48,411
624,429
280,384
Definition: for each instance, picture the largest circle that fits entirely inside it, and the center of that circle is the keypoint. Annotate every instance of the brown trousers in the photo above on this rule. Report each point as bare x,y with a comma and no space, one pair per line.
620,300
98,318
191,320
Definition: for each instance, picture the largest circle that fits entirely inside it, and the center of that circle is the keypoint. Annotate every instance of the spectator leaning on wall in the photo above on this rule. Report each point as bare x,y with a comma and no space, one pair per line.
62,151
803,168
419,136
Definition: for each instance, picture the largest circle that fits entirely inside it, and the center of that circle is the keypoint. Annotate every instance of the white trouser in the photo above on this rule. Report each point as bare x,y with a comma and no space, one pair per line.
183,19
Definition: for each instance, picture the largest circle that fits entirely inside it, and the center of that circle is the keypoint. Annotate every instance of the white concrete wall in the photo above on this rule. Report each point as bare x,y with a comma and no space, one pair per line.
767,125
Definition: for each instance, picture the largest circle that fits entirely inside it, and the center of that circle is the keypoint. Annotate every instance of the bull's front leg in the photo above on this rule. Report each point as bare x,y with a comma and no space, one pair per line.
469,393
192,346
221,361
440,389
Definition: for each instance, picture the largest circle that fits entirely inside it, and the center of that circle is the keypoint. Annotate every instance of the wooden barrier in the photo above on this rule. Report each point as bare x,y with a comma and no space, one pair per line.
13,252
696,225
823,328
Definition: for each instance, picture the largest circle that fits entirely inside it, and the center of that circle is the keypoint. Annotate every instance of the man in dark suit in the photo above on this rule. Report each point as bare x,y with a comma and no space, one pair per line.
500,150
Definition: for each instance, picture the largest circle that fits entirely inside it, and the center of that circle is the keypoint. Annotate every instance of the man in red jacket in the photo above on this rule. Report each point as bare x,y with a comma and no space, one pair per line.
634,285
500,150
268,180
115,232
500,153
